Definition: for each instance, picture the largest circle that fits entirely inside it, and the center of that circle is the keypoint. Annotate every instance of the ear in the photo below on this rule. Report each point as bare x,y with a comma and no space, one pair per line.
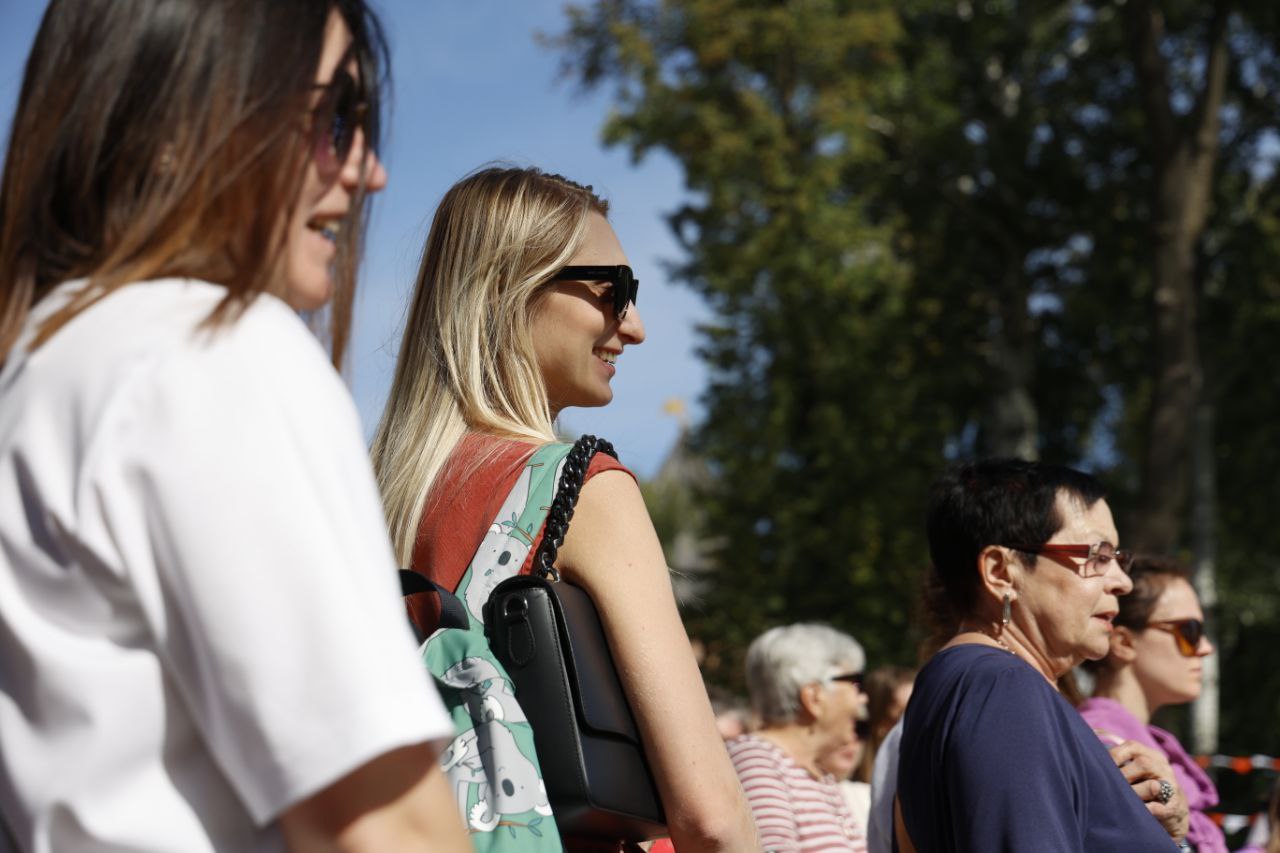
1122,650
1000,572
812,699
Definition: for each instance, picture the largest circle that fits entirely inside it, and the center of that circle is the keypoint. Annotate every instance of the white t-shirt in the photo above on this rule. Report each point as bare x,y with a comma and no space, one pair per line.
200,623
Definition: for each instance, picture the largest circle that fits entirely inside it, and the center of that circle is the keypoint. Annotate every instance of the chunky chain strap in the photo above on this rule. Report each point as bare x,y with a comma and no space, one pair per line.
561,512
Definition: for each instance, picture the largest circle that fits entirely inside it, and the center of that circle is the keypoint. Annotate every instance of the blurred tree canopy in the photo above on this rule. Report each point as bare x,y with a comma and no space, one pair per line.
934,230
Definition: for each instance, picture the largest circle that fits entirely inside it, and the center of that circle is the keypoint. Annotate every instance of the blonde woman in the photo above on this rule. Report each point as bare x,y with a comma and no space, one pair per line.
523,307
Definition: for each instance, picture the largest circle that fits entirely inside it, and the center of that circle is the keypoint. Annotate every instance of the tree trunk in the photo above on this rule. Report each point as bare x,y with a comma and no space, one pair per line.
1185,152
1011,424
1175,384
1204,539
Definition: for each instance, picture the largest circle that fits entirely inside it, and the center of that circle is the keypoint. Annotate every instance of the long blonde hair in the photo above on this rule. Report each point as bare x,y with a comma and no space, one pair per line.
467,361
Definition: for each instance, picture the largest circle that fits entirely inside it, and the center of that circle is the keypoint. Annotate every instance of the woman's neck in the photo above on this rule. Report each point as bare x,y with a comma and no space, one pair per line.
1121,686
796,740
1013,641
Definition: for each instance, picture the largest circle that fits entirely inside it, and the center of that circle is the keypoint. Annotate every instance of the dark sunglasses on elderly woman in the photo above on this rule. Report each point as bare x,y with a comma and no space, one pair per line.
339,114
854,678
1188,633
626,286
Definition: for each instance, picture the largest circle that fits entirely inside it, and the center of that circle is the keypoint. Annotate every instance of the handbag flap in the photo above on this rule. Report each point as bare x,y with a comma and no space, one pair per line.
601,703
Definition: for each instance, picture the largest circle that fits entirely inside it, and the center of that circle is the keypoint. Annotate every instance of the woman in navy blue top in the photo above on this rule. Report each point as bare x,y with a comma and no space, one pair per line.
992,757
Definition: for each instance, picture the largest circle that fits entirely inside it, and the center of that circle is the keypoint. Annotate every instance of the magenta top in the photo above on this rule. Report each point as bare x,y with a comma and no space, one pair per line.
1113,723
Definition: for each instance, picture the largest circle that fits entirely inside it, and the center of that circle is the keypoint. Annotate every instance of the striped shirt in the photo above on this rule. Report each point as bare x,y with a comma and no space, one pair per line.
793,811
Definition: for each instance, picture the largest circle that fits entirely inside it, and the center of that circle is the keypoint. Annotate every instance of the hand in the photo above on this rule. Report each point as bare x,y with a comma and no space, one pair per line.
1145,768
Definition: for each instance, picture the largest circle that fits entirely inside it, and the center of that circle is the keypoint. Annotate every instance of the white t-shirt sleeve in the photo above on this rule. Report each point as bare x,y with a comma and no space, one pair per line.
234,481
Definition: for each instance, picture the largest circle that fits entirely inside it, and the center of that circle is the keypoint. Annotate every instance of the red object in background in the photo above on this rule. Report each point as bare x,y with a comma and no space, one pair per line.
662,845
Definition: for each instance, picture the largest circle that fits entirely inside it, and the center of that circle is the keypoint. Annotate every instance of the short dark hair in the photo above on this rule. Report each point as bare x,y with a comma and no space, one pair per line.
995,502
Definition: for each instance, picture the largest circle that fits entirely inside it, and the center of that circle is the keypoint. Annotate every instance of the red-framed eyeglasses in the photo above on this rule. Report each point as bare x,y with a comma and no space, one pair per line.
1096,558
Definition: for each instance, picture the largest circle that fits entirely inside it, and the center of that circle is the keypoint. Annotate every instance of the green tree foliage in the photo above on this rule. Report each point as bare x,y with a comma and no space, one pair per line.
935,229
826,414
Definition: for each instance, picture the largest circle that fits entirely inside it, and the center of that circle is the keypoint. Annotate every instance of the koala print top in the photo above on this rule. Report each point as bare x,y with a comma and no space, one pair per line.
465,501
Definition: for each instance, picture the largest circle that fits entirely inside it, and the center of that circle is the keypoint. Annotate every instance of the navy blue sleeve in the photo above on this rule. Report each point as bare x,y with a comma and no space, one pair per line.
1010,766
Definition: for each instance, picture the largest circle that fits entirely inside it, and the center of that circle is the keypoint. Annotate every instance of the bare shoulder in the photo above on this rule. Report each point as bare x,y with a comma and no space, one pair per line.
610,530
609,491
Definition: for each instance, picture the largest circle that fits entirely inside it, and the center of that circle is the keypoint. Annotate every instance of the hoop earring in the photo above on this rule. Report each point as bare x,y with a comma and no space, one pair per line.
1005,613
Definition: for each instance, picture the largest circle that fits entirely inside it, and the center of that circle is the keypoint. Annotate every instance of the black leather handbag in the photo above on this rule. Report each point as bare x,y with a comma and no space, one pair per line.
547,635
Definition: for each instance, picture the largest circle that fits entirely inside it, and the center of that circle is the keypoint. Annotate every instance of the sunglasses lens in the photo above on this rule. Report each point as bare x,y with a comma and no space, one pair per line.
337,117
342,129
854,678
624,291
1189,635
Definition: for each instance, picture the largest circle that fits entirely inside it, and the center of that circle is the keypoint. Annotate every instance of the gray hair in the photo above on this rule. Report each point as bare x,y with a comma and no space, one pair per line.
782,660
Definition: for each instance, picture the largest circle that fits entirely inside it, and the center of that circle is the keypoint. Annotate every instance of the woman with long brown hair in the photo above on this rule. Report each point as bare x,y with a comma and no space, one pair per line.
201,645
1157,647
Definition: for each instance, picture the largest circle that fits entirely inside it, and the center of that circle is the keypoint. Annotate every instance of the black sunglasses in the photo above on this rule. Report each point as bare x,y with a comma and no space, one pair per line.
854,678
1187,632
626,286
335,120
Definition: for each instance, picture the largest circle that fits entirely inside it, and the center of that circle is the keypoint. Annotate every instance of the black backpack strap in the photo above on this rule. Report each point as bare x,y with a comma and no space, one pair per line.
453,613
561,512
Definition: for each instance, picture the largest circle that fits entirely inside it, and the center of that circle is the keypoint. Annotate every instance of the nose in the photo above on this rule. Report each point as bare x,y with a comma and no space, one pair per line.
375,174
631,329
1118,583
1206,647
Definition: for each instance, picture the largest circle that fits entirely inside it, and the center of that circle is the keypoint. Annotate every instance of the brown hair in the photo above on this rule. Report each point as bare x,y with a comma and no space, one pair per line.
882,684
1151,575
156,139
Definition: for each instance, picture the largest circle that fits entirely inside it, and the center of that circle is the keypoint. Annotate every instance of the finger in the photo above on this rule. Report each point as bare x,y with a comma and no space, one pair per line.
1138,770
1148,790
1126,751
1155,761
1164,791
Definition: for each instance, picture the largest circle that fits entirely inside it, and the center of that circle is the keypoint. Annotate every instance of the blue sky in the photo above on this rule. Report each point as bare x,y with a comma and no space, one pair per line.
471,85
